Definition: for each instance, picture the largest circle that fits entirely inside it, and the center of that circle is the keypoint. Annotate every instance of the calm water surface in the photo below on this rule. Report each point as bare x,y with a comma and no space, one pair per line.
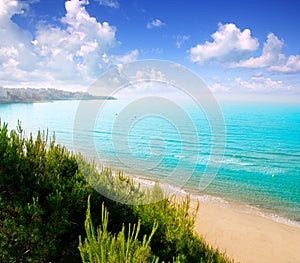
261,164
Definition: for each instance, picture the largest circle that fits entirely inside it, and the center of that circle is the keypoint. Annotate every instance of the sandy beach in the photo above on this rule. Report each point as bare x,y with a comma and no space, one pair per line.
245,234
247,237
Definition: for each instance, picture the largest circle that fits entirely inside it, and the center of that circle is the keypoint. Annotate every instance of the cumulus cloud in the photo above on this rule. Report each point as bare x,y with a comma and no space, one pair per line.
155,23
77,48
291,65
15,44
109,3
271,54
229,44
75,51
10,7
272,58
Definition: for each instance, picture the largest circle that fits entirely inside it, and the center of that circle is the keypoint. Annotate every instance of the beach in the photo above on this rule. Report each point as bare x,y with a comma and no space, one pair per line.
247,237
260,167
244,233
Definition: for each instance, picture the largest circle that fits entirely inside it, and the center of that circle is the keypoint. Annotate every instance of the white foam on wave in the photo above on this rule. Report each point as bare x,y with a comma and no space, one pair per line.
177,156
169,190
244,208
279,219
251,209
205,198
233,161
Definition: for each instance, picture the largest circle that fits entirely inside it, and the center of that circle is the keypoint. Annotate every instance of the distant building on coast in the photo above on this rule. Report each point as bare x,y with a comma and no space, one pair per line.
8,95
3,93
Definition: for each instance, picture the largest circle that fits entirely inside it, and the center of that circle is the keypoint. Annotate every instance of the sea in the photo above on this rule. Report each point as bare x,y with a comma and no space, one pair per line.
256,164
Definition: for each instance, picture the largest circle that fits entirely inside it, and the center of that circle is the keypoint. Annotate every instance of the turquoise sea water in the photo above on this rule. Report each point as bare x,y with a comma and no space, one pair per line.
260,167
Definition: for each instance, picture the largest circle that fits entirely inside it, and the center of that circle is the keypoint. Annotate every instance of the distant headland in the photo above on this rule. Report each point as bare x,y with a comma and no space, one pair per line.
30,95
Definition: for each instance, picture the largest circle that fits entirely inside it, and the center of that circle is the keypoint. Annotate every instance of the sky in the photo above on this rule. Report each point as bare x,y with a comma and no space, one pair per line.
241,49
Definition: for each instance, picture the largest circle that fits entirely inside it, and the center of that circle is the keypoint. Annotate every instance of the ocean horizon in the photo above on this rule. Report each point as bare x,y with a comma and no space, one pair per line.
258,170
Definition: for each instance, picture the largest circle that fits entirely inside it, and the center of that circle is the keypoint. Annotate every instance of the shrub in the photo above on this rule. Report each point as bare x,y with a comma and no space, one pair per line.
43,204
43,199
175,235
105,247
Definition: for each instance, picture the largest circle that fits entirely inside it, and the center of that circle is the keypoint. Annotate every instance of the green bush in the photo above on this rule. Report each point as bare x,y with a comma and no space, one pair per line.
105,247
169,225
44,191
43,199
175,235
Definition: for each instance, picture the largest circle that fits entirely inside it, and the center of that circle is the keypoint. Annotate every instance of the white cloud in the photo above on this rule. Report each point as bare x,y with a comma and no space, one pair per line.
262,85
291,65
75,53
252,88
271,54
15,43
151,73
109,3
218,87
272,58
8,52
155,23
229,44
180,39
127,58
11,7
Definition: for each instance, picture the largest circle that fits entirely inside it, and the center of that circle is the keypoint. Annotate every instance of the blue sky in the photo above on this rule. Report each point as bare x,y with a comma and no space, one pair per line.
240,49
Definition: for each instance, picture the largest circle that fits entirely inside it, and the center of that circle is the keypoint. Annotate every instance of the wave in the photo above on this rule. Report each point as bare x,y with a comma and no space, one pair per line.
211,199
233,161
270,215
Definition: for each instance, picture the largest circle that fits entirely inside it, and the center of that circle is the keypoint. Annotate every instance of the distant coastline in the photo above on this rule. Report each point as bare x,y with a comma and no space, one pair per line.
29,95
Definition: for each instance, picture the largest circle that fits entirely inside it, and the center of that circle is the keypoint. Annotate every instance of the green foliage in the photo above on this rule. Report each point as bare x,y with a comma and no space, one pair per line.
168,224
43,199
43,193
175,235
105,247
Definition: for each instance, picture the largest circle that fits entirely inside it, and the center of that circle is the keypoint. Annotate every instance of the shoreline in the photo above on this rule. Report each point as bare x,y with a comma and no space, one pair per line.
244,233
216,200
168,188
54,100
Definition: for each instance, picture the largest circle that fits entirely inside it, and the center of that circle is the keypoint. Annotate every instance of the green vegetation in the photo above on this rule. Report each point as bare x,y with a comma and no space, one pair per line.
46,214
104,247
